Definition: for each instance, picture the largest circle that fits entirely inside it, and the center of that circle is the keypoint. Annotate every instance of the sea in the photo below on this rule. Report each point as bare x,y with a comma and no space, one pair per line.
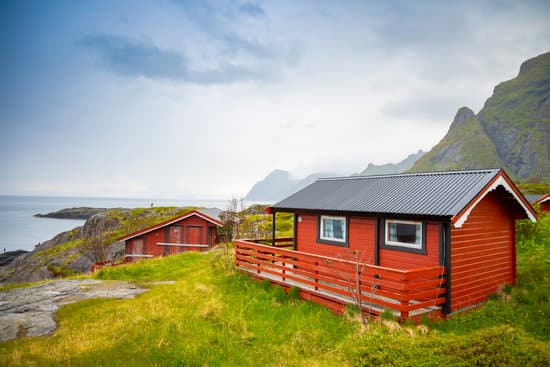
19,229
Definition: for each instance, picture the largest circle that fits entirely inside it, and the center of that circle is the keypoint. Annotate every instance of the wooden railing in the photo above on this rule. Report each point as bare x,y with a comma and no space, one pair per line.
404,292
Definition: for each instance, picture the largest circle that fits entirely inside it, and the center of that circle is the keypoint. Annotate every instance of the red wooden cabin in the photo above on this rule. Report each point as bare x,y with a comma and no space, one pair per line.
403,229
194,231
542,200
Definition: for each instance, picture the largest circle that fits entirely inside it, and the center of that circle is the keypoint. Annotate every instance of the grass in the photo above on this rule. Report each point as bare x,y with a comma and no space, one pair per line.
212,316
59,250
207,318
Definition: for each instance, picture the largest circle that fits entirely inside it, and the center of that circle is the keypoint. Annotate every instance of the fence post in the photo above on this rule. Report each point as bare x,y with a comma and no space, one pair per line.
284,269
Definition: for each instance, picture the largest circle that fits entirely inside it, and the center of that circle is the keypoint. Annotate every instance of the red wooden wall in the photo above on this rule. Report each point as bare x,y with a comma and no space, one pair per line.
189,226
483,251
545,206
362,236
408,260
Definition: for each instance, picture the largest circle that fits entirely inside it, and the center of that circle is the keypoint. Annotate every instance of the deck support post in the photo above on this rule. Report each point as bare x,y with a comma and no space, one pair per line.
405,303
316,276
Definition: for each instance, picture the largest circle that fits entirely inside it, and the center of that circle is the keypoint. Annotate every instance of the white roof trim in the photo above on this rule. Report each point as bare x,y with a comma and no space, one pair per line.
498,182
543,200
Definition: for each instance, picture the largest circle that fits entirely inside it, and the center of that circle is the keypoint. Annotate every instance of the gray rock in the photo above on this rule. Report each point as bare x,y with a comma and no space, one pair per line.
9,256
30,311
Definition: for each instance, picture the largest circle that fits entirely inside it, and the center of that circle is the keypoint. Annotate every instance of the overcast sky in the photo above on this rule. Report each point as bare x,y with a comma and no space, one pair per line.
193,99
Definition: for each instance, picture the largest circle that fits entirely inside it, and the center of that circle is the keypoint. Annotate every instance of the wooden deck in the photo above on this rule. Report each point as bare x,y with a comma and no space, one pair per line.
337,282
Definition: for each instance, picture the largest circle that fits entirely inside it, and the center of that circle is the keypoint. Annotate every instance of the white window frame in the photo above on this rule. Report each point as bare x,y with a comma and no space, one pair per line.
416,246
322,229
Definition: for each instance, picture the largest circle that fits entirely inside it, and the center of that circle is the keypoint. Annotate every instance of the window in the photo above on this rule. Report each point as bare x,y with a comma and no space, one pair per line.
138,247
404,234
332,230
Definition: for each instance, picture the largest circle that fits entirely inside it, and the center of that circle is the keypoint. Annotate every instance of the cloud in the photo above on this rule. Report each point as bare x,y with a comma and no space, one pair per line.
423,108
139,58
225,23
252,9
134,58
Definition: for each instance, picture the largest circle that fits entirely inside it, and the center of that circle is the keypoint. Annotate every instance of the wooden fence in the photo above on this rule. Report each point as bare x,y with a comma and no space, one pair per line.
406,293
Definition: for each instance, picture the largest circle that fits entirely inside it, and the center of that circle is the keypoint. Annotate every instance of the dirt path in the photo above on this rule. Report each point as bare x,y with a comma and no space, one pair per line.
30,311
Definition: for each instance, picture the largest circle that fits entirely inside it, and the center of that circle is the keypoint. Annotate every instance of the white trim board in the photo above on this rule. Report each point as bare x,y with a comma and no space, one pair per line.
498,182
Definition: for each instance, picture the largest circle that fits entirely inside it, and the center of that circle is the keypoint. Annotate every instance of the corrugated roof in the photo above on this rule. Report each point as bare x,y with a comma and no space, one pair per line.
212,213
431,194
533,198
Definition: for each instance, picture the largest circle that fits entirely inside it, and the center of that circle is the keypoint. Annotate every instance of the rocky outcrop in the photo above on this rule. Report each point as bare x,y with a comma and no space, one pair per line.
30,311
8,257
62,255
512,130
463,115
65,254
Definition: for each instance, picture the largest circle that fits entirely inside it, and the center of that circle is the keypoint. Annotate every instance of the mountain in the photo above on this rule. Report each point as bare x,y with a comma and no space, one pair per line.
389,168
512,130
465,146
279,184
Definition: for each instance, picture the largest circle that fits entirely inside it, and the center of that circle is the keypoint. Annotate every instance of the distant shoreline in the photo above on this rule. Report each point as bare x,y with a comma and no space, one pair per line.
81,213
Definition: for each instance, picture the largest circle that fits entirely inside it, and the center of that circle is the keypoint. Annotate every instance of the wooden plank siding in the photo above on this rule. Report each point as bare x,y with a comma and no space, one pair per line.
208,237
482,252
395,258
361,237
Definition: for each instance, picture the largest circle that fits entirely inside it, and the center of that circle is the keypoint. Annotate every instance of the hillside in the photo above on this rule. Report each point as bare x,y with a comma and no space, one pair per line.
465,146
512,130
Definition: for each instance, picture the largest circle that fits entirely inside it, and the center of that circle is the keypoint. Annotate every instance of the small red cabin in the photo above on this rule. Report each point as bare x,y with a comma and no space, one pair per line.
542,200
194,231
460,221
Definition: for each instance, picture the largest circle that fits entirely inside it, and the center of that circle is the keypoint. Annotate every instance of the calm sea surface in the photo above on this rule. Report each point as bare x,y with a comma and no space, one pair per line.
20,230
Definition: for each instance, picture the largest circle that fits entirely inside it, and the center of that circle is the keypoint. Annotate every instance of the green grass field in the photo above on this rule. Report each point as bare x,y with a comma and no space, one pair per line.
213,316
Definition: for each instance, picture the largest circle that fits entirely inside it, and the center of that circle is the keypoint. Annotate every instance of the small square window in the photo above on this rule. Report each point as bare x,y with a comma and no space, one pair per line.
332,229
404,234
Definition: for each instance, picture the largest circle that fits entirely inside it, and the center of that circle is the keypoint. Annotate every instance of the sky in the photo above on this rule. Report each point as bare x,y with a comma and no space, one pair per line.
201,99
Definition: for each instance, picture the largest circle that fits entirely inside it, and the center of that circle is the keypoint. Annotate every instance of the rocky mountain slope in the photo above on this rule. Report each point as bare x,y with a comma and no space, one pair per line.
512,130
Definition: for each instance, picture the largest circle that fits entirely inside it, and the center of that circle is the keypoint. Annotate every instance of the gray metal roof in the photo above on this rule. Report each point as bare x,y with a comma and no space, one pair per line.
211,212
430,194
532,198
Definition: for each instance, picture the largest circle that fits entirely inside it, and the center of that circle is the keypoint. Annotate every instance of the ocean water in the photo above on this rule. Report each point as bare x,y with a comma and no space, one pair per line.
19,229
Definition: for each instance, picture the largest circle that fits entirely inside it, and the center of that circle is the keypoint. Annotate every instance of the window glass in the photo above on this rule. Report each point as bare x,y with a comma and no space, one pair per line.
404,233
333,228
